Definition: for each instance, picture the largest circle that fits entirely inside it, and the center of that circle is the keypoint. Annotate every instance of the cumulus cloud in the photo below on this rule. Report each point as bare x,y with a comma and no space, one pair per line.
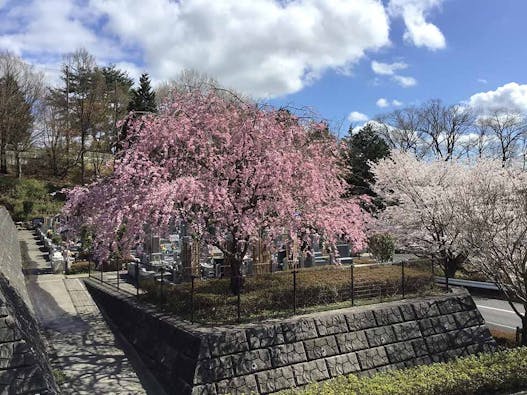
263,47
511,96
390,69
356,116
387,68
418,32
382,103
405,82
50,29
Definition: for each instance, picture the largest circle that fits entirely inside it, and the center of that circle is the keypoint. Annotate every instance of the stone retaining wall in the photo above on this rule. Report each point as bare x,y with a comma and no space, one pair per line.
274,355
24,366
10,258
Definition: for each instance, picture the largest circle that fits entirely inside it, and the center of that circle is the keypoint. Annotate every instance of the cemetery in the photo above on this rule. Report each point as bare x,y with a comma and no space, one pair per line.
190,280
263,197
233,260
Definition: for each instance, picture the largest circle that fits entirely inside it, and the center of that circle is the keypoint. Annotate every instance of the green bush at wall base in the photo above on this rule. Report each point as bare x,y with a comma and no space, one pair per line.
478,374
81,267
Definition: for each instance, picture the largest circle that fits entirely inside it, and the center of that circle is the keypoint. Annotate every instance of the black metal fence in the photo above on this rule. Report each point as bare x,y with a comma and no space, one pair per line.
269,295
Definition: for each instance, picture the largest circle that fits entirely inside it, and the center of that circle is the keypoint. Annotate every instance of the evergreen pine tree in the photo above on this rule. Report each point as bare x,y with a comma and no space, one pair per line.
361,148
143,98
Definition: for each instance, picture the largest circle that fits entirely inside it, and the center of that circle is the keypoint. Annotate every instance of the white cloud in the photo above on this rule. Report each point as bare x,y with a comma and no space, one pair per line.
482,80
387,68
511,96
261,47
356,116
418,32
405,82
391,69
50,29
133,71
382,103
264,48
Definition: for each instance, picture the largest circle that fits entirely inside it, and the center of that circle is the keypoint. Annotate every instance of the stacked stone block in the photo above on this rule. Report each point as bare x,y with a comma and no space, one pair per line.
24,366
274,355
269,358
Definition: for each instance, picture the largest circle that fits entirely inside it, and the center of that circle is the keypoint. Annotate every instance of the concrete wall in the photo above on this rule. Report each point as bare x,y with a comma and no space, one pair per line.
274,355
24,366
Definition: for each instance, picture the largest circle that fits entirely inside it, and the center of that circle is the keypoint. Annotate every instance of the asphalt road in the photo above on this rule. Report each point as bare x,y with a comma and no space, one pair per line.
498,313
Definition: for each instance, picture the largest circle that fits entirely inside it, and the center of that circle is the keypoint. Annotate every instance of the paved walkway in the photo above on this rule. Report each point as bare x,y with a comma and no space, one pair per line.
82,346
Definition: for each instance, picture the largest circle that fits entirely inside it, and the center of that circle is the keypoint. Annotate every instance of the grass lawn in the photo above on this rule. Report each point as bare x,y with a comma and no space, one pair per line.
272,295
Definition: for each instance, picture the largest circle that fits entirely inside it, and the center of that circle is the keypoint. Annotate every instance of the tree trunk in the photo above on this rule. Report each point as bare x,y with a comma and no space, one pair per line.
452,264
234,266
236,277
83,168
18,165
3,159
524,330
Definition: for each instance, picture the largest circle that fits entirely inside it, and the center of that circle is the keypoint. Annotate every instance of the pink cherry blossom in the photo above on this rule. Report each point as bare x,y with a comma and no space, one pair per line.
231,170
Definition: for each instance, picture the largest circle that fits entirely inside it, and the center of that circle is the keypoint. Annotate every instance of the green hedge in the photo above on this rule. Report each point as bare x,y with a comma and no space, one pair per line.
478,374
81,267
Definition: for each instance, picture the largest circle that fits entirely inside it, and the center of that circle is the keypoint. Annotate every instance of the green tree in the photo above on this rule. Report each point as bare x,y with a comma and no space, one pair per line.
20,98
361,149
87,108
143,98
382,246
16,120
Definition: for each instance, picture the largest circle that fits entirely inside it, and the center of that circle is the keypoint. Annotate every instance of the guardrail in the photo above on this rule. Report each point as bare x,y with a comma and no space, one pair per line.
467,283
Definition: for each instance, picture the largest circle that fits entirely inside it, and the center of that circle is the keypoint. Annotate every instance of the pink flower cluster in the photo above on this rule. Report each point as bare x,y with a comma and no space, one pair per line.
231,170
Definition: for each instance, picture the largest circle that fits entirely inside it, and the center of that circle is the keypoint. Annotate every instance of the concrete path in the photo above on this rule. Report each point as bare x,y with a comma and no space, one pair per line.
82,346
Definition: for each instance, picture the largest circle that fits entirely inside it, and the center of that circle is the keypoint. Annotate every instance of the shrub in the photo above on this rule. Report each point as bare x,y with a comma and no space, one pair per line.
81,267
56,239
27,198
478,374
382,246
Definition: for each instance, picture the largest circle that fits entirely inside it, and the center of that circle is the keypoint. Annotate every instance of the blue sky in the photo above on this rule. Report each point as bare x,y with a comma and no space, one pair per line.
314,53
485,49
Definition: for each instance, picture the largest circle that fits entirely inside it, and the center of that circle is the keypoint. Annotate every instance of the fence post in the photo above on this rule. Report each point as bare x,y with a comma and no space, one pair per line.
352,271
137,279
161,293
402,276
118,274
238,301
192,299
294,291
433,276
